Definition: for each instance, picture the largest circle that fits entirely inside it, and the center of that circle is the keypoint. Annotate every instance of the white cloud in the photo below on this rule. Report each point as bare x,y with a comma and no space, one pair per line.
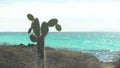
95,9
63,11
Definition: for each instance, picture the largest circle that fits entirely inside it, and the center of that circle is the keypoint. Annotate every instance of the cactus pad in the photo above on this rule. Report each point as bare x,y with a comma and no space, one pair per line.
30,17
44,29
36,27
52,22
58,27
33,38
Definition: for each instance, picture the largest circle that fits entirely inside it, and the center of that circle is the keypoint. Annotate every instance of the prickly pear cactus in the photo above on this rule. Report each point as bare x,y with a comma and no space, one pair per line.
38,32
43,30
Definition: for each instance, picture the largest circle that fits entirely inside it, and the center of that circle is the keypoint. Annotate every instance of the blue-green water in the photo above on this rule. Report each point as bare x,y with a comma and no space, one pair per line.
97,42
71,40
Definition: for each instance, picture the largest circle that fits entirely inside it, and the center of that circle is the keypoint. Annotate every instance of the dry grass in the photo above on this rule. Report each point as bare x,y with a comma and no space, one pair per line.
117,63
26,57
107,65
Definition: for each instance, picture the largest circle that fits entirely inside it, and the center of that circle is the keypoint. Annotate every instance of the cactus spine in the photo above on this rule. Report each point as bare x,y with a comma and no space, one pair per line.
39,33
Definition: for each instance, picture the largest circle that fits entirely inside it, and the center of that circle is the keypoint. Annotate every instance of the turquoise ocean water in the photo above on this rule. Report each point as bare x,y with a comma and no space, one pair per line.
100,44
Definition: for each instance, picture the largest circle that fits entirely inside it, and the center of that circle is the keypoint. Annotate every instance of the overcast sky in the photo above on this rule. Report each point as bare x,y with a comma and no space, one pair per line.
73,15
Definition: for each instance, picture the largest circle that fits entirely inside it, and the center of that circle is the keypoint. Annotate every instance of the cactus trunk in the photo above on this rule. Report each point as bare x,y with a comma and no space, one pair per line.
41,52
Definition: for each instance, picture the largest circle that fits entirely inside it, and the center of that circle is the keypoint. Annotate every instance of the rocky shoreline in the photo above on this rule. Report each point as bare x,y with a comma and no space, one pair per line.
20,56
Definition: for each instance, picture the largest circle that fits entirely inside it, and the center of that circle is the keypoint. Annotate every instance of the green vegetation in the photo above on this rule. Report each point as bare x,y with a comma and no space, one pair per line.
38,32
